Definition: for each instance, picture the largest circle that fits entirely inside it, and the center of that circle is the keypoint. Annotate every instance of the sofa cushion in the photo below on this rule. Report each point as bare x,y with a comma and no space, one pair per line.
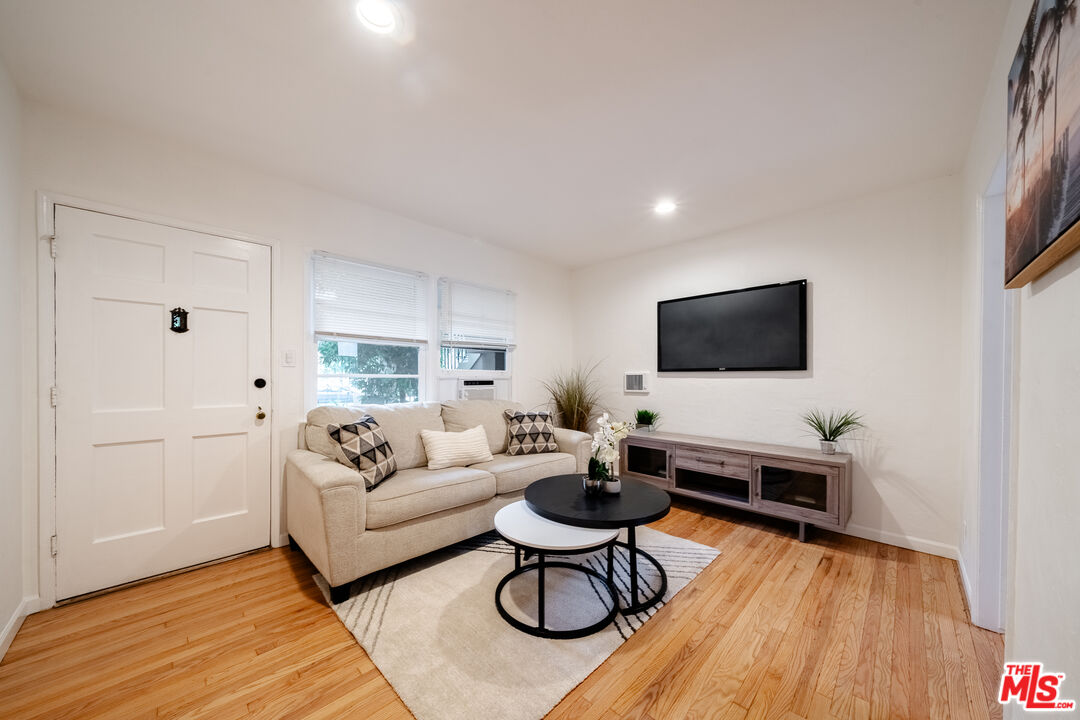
363,446
417,492
455,449
401,425
530,433
461,415
516,472
315,432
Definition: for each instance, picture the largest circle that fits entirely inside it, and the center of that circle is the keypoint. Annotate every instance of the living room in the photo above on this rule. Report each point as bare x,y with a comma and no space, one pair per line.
571,167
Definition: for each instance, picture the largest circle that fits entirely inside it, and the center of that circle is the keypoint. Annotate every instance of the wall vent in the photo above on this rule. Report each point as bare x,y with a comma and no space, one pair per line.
636,381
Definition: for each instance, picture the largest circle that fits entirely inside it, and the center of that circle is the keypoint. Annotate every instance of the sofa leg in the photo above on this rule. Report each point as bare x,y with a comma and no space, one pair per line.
292,544
340,593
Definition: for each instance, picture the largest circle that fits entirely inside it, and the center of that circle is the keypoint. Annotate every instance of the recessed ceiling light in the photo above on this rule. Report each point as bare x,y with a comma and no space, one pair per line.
378,16
664,207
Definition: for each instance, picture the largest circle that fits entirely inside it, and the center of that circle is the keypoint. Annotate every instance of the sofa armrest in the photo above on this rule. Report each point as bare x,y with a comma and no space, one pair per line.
326,506
576,443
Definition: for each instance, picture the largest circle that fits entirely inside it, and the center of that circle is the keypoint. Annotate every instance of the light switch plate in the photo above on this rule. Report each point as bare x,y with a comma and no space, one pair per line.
288,358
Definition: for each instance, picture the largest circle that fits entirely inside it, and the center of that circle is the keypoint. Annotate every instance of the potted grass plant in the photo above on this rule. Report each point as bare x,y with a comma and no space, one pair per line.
646,420
575,395
830,428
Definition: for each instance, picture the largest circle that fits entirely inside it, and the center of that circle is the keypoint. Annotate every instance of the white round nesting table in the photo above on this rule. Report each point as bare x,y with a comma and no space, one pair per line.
529,533
521,526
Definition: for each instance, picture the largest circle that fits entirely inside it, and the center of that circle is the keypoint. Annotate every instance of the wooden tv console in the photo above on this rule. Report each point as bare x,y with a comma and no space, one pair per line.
793,483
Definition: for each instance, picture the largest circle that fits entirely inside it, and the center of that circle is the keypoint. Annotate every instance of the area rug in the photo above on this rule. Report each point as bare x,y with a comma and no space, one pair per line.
431,627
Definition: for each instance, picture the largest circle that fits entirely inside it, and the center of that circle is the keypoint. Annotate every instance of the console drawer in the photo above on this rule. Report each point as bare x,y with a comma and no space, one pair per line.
717,462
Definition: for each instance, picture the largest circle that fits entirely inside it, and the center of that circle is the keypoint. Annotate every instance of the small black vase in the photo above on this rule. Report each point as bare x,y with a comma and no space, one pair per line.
591,486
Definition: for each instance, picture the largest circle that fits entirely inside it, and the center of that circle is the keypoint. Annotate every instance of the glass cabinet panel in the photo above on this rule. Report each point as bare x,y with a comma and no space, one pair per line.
647,460
802,489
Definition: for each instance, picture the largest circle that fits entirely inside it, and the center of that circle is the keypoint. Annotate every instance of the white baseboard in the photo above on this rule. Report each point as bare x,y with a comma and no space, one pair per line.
931,547
282,541
15,622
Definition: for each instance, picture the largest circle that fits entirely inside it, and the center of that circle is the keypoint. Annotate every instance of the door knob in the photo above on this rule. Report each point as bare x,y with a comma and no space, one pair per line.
260,415
260,383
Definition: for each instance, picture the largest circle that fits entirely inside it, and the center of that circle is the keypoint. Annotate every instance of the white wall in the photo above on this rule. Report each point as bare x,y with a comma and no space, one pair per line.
884,329
110,164
1044,578
11,568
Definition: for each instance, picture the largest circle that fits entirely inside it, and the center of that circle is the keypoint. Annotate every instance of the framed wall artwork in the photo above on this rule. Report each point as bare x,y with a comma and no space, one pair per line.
1042,196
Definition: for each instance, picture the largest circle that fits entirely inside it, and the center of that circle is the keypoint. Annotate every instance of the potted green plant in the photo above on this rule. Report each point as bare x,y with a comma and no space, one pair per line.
830,428
646,420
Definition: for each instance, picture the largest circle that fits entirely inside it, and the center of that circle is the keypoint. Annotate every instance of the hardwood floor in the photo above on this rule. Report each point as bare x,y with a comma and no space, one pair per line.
835,628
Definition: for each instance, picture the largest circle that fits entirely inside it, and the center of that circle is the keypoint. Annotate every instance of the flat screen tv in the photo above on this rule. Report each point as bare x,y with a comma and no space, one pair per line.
758,328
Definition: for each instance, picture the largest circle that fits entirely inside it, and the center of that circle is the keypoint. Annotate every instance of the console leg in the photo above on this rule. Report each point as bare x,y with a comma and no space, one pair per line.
802,532
292,544
340,593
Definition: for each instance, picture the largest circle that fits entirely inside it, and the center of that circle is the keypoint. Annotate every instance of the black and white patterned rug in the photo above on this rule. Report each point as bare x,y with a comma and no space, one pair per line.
431,627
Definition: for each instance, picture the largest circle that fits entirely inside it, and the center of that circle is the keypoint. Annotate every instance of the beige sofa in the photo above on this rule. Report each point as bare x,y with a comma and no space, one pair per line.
348,533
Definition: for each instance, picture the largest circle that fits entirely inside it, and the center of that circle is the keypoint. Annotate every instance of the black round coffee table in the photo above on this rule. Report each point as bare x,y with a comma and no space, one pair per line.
561,498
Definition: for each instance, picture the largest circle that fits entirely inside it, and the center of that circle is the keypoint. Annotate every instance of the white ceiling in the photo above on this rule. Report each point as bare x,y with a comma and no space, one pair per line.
549,126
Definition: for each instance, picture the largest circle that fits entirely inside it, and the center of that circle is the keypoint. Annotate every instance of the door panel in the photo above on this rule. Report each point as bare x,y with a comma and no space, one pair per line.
217,460
161,463
129,355
129,489
221,362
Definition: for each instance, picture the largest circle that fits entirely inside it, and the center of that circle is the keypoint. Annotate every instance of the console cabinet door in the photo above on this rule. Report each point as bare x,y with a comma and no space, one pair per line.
799,490
648,460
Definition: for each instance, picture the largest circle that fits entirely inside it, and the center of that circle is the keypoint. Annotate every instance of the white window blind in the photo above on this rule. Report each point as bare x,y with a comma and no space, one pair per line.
354,300
475,316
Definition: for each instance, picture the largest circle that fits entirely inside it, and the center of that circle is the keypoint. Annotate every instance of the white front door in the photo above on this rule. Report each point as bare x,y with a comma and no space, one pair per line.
161,462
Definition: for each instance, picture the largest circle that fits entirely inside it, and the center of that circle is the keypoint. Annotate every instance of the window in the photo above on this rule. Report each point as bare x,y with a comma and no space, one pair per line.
359,373
476,327
370,332
473,358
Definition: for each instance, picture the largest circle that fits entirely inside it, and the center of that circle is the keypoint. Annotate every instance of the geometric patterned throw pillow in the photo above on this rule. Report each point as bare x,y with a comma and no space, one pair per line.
529,433
363,446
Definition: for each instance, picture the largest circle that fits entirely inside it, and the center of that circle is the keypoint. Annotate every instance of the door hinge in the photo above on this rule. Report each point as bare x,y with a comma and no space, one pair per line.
54,396
52,545
52,247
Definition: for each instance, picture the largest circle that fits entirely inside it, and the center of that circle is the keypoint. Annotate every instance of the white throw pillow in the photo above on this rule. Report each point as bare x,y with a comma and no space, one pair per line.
455,449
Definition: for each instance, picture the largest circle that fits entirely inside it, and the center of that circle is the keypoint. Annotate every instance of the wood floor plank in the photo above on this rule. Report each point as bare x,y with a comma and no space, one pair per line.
952,659
842,693
797,651
838,628
903,686
977,710
880,694
936,692
721,674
